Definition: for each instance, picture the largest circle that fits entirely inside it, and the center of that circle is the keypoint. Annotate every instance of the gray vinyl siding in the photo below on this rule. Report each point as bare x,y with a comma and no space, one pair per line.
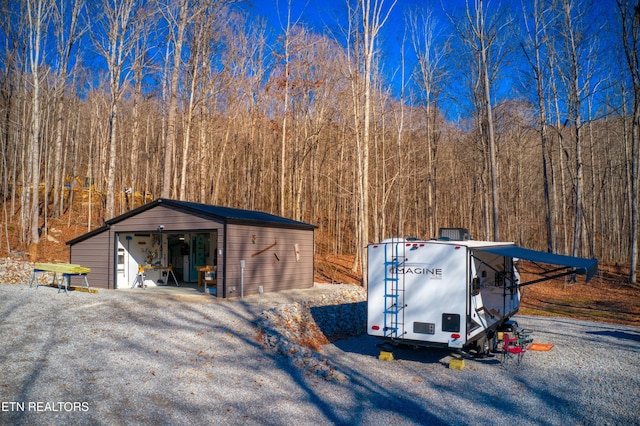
274,267
172,220
99,251
93,254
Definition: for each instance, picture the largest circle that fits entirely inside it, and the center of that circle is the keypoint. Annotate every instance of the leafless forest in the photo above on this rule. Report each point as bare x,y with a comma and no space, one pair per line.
521,123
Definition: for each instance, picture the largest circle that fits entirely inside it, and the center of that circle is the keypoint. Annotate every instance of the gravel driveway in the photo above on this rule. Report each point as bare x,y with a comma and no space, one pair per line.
119,357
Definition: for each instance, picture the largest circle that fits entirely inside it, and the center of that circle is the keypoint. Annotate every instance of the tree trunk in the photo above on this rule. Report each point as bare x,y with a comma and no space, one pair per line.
372,22
37,15
66,34
630,19
493,166
170,142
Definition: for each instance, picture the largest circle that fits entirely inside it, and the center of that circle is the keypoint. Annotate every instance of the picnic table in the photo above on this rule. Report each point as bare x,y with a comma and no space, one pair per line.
67,270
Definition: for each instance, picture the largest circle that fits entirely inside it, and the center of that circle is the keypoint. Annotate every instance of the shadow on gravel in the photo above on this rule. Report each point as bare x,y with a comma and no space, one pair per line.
341,321
345,326
371,346
142,359
623,335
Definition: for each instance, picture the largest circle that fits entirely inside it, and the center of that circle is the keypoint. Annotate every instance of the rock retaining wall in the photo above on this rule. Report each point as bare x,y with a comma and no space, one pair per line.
298,330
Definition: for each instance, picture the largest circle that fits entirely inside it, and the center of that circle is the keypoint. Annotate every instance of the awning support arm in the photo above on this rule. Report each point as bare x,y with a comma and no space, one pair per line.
546,278
546,271
539,280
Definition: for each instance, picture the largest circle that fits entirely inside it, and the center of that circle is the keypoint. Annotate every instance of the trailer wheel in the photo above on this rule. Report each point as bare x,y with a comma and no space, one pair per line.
491,345
479,348
485,346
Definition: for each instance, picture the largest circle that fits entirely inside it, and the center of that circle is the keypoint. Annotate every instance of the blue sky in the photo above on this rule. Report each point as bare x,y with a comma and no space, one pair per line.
319,13
324,15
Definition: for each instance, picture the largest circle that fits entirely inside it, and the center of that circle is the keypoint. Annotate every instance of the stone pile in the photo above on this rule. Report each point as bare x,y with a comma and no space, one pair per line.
298,330
15,270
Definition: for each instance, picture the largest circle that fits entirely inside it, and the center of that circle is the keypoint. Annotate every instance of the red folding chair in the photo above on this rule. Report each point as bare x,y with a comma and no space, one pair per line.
512,349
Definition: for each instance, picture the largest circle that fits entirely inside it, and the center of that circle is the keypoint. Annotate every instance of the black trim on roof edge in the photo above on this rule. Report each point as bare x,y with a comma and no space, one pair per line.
87,235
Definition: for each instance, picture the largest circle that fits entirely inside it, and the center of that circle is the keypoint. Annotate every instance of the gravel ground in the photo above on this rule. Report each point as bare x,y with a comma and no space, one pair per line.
126,357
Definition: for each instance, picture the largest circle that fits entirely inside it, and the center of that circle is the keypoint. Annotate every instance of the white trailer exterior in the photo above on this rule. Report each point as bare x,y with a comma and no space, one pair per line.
448,293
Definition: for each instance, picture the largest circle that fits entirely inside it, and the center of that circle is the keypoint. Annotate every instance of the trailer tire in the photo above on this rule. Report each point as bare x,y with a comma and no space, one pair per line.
481,348
491,347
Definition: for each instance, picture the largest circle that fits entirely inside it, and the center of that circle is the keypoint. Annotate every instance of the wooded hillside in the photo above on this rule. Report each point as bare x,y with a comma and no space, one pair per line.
122,102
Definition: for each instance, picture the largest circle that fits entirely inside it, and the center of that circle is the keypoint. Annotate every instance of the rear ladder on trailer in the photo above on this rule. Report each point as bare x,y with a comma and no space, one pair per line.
393,291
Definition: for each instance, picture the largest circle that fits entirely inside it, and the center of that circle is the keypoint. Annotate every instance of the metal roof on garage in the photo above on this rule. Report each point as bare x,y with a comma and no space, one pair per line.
233,215
220,213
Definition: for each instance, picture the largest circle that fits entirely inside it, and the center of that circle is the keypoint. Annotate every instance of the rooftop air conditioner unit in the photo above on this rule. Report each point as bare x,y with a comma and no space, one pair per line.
454,234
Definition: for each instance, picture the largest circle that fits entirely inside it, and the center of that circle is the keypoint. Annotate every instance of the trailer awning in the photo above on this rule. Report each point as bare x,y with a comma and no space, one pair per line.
579,265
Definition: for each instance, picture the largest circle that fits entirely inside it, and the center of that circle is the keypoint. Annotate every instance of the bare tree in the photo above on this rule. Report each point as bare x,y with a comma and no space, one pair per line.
354,53
430,76
342,142
8,95
576,77
310,91
536,22
630,25
113,41
480,33
239,83
143,43
67,31
374,16
177,21
37,17
200,47
558,173
484,38
287,29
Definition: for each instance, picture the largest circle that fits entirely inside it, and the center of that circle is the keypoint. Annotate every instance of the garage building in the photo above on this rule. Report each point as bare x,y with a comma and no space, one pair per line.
243,250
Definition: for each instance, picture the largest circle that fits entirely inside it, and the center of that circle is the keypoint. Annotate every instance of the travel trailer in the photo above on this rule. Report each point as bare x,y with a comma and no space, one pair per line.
451,292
